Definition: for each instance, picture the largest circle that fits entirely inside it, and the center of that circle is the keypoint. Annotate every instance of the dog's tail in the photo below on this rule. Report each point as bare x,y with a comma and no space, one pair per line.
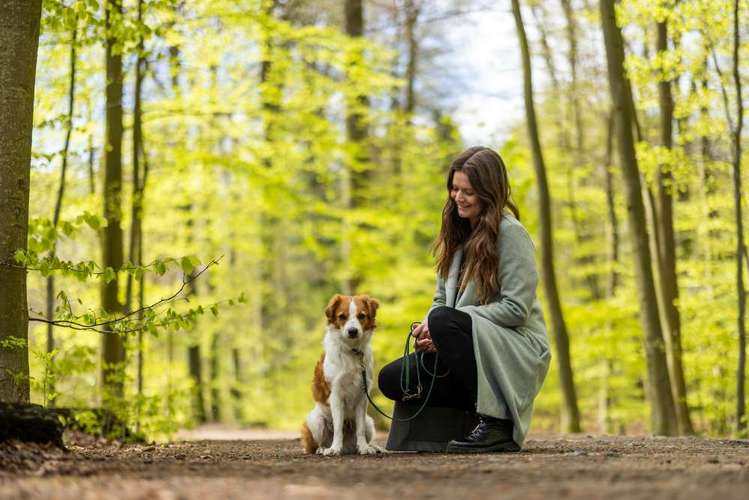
308,442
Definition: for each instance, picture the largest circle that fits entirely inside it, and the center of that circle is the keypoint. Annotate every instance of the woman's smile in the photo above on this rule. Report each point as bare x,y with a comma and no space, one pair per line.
464,196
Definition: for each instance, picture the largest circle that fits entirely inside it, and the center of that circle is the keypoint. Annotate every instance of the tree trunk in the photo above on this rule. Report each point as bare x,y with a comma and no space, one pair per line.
136,228
612,281
412,16
356,176
214,384
664,224
583,236
613,225
563,138
741,423
570,412
663,417
49,376
198,403
113,349
91,175
236,391
19,39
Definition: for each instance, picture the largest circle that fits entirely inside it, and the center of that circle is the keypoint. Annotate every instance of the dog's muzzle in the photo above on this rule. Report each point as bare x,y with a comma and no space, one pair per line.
352,333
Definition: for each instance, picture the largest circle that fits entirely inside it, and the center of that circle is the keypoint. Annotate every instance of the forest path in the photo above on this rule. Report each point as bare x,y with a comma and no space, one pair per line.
549,467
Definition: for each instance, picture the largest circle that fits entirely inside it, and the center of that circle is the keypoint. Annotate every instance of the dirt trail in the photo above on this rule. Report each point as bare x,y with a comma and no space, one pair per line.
548,467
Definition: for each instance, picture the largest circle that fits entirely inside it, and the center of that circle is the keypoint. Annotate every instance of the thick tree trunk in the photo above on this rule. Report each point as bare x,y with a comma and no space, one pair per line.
570,412
30,423
664,224
113,349
49,377
19,39
741,423
663,417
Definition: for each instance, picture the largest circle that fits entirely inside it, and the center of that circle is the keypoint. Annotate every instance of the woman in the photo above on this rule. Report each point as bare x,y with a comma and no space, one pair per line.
485,321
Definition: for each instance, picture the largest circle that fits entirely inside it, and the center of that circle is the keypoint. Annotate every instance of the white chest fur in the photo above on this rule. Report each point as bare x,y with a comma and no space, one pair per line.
343,372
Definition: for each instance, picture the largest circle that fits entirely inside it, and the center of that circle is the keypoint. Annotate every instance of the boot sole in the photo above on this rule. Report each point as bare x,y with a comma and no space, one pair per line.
499,447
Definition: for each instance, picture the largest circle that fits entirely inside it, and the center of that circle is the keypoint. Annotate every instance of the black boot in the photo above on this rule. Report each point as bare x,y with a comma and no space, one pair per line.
491,434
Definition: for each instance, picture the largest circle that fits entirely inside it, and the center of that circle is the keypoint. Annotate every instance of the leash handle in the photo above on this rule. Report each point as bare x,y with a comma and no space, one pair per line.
405,375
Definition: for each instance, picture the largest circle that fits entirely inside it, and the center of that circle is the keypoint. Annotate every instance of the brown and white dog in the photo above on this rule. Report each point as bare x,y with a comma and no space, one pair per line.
339,422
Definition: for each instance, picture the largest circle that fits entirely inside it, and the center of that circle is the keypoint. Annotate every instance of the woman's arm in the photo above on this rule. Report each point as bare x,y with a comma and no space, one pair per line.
439,294
517,277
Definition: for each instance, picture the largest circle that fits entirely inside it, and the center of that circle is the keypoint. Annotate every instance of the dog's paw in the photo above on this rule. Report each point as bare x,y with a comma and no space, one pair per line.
379,449
368,449
333,451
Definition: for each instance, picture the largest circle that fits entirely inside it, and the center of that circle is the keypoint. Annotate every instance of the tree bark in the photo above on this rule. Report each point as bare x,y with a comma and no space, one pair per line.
741,423
570,412
664,224
663,418
49,375
113,349
19,39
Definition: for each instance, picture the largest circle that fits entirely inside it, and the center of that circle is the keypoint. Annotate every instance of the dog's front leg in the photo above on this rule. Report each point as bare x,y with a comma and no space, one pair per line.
336,410
362,445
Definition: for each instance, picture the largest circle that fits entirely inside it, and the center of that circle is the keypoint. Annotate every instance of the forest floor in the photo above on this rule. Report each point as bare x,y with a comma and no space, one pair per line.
251,464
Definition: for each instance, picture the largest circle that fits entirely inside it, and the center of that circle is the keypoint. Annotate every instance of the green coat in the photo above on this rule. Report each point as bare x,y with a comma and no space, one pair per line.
509,334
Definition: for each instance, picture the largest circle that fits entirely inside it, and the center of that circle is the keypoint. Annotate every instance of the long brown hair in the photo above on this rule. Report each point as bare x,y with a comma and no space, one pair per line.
488,176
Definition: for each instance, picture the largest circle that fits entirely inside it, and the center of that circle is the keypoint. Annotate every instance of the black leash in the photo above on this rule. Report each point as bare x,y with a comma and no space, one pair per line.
406,379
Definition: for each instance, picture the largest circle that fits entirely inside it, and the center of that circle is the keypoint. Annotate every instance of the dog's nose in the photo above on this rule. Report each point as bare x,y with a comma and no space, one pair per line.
352,333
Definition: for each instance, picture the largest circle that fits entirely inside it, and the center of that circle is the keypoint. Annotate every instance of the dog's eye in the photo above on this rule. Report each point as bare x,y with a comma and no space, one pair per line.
361,316
341,316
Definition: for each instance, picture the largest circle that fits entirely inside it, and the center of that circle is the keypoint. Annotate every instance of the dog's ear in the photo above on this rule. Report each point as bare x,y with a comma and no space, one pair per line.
332,306
372,305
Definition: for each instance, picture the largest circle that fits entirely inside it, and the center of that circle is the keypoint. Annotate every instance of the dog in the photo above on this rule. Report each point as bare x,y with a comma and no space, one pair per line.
339,424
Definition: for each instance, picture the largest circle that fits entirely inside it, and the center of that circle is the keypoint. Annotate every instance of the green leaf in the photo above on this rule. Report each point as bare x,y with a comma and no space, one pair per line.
109,274
186,264
160,267
20,257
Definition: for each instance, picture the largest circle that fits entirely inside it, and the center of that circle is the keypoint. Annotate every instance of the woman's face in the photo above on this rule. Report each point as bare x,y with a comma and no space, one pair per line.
462,193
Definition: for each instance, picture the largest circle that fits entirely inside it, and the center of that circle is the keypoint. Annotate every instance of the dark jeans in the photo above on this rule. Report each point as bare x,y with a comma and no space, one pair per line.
451,335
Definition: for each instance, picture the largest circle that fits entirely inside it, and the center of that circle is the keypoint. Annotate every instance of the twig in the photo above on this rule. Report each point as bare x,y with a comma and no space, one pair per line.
81,326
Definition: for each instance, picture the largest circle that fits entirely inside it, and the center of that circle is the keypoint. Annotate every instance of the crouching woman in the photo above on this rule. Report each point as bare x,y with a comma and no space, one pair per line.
485,322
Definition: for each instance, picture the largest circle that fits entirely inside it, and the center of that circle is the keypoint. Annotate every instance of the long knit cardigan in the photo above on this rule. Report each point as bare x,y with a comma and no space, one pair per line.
509,333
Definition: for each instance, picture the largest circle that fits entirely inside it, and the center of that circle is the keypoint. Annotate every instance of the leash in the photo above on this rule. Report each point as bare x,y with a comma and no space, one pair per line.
406,378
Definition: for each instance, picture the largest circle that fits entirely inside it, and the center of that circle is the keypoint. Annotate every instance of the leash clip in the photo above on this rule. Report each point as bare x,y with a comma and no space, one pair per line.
413,395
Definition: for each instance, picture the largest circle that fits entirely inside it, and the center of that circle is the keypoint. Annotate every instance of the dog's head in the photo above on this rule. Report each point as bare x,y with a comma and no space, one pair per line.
353,317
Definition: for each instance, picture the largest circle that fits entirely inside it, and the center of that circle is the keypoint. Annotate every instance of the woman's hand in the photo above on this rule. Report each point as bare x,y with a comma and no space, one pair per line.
423,339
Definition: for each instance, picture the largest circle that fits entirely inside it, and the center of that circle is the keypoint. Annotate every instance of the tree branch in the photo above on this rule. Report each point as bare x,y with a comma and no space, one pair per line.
80,326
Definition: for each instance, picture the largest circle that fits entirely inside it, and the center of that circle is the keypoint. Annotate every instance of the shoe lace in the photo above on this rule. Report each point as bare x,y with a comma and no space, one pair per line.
477,431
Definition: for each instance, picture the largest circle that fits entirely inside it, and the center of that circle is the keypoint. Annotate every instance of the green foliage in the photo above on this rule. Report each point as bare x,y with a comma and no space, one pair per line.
249,156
